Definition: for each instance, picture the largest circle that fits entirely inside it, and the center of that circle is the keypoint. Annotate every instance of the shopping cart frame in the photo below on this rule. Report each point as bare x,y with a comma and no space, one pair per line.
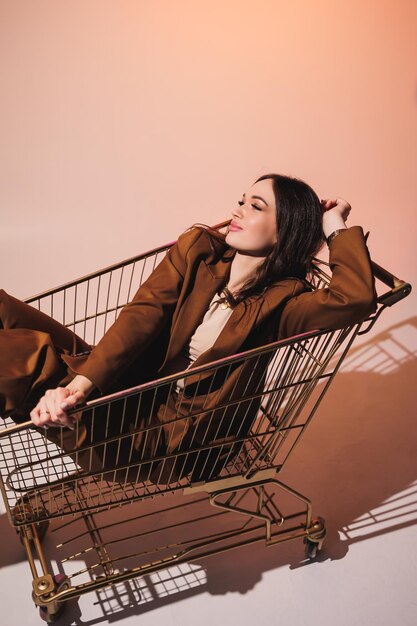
317,354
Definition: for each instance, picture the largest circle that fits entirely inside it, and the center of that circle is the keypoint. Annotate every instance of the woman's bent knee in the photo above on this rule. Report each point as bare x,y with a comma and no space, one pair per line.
3,298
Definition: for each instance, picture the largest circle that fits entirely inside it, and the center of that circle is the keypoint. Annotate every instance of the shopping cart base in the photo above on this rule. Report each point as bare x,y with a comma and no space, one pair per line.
244,514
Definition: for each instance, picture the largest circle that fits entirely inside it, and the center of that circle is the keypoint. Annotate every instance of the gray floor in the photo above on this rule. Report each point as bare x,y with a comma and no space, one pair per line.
369,580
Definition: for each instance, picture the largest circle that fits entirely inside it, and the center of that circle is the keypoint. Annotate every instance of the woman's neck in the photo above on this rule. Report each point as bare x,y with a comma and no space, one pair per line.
242,267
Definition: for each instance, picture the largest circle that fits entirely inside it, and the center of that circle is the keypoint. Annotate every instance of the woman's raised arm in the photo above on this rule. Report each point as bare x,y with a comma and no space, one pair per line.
351,295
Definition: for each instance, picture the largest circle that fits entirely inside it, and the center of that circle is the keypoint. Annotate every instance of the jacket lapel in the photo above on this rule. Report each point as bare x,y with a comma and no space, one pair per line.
204,283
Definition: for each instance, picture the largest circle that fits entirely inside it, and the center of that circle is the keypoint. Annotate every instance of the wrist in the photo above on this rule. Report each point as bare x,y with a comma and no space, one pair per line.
334,234
332,223
81,383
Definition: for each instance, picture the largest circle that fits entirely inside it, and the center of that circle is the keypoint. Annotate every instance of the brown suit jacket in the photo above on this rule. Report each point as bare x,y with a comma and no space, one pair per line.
153,327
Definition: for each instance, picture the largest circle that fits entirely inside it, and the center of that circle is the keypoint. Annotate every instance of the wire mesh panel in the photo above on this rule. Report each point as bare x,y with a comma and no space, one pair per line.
91,304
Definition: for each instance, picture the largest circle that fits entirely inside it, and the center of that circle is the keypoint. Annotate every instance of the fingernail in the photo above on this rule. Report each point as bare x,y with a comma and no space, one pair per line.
64,405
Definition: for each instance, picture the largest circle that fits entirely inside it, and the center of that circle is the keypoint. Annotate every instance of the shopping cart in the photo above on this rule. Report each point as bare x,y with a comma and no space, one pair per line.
224,469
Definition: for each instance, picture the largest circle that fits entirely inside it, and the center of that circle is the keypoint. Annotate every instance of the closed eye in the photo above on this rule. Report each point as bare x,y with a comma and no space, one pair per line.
254,206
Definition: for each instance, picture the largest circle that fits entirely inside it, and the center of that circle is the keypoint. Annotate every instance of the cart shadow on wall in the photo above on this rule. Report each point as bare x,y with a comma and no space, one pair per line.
212,494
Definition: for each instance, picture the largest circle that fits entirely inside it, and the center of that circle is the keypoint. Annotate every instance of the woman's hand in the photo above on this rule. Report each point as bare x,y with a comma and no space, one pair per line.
51,408
335,212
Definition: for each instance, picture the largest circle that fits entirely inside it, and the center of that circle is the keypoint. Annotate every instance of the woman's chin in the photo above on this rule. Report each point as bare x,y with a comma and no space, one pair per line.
231,234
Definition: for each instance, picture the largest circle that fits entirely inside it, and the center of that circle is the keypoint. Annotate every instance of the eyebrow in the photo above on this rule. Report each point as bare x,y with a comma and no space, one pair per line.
259,198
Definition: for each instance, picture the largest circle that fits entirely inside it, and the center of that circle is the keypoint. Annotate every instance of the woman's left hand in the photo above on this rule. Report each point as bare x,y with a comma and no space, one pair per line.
337,206
335,212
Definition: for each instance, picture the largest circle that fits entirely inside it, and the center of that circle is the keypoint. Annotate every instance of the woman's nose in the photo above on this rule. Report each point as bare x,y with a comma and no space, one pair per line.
237,212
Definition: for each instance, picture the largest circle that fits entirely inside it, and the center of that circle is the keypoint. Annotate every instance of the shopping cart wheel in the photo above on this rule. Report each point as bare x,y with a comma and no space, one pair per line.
311,548
50,613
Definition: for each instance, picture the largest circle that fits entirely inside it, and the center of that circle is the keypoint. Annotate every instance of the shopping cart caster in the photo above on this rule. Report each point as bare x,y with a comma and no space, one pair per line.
52,611
22,511
311,548
315,538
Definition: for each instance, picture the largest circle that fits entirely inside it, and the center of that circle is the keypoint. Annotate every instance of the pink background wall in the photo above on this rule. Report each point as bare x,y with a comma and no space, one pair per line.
124,122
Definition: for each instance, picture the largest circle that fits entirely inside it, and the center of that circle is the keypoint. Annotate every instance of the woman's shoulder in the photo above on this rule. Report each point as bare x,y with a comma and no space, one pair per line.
209,232
294,285
204,238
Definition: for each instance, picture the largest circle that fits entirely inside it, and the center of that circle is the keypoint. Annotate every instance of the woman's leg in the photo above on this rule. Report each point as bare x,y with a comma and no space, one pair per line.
30,345
15,313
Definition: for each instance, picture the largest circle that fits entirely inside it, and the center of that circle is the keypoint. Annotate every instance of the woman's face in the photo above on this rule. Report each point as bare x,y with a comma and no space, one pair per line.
255,214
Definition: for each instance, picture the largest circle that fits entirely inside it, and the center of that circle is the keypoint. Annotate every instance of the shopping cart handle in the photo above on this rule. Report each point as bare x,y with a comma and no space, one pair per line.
399,288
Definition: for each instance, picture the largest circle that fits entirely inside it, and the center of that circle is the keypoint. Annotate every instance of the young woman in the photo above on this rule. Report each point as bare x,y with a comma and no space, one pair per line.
211,296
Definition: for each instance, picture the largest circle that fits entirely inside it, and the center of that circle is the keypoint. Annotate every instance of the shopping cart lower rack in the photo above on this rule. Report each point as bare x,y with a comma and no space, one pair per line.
102,484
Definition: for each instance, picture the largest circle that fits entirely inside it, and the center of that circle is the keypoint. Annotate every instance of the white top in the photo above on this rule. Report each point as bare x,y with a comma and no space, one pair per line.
203,338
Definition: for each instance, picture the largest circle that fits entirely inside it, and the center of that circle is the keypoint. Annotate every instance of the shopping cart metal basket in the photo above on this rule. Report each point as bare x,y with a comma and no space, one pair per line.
222,486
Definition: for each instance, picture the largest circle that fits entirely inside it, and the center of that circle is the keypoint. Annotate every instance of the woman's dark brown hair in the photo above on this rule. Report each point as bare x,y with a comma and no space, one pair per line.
299,236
